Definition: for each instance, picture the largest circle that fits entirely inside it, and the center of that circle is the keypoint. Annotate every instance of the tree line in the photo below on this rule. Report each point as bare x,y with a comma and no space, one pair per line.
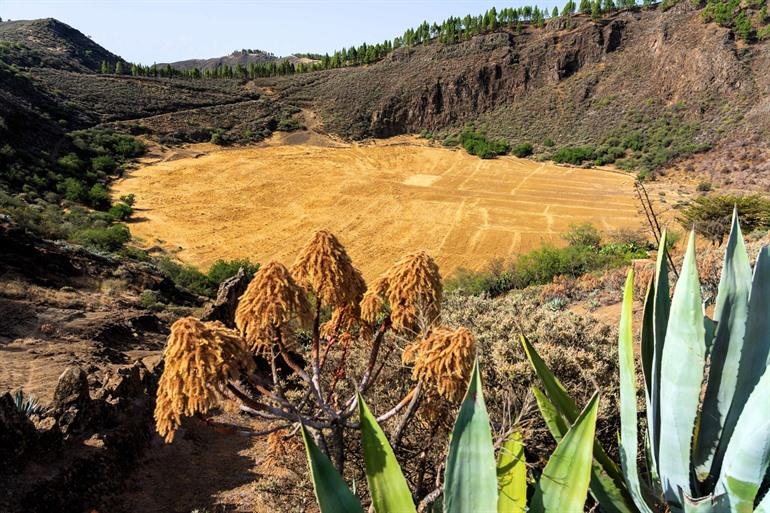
452,30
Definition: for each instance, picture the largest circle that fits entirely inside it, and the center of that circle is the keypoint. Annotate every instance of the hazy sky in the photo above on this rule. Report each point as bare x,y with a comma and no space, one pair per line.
148,31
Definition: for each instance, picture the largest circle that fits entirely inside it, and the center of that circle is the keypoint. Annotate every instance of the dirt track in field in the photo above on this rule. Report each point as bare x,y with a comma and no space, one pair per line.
382,199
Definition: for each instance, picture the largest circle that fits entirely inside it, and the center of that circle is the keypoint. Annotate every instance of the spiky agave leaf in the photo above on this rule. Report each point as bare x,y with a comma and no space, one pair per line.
512,476
563,486
470,480
387,485
681,375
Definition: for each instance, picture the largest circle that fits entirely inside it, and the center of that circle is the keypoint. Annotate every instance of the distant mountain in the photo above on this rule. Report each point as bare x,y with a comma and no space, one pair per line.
242,57
50,43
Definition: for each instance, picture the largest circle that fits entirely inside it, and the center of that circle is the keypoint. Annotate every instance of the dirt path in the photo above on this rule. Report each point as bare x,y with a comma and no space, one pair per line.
382,199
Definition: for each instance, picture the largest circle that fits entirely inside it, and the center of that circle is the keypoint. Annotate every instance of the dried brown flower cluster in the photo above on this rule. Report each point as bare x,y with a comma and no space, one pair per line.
443,360
281,446
412,288
324,268
272,301
200,358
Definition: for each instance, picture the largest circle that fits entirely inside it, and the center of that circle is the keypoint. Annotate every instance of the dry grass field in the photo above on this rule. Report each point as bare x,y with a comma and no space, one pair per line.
382,199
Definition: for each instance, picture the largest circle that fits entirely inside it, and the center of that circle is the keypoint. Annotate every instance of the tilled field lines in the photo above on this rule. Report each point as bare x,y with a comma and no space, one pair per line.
382,200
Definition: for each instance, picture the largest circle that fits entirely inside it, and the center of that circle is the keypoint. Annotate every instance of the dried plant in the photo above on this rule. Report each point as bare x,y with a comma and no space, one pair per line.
324,268
271,302
411,286
200,359
443,360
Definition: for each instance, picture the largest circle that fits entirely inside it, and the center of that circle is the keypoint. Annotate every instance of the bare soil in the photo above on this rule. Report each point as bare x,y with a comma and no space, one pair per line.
383,198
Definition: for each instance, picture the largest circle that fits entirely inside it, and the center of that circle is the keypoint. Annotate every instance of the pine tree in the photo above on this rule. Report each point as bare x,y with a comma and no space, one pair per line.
608,6
555,12
585,6
119,68
105,68
596,9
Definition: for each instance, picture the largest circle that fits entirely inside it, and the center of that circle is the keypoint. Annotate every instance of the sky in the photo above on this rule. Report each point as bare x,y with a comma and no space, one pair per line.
147,31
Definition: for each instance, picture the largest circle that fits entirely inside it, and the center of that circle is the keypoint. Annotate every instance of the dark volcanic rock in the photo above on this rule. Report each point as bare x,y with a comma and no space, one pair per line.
223,307
72,406
17,433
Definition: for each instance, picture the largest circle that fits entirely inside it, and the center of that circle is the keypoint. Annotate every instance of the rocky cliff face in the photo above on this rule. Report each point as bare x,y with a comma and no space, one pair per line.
573,80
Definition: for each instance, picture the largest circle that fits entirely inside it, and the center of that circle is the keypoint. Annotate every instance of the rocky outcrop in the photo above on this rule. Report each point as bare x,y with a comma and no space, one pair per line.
105,435
223,308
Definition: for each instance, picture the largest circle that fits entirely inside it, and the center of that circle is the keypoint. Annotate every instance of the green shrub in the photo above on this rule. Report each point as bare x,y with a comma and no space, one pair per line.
104,164
99,197
128,199
185,276
477,144
71,163
289,125
73,190
224,269
711,215
110,239
451,141
497,278
584,234
548,143
120,211
523,150
703,187
575,155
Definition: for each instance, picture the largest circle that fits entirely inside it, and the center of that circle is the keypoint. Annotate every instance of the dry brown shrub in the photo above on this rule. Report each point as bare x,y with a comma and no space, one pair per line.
281,446
272,301
443,360
324,268
560,287
200,358
413,290
644,271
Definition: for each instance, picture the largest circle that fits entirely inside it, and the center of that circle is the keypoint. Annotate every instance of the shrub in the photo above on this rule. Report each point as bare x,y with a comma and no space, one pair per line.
120,211
523,150
73,190
710,215
128,199
575,155
497,278
224,269
289,125
703,187
186,276
477,144
111,238
548,143
104,164
71,163
584,234
98,197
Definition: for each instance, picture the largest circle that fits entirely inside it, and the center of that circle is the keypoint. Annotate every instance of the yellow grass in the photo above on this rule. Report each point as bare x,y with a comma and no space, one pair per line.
383,200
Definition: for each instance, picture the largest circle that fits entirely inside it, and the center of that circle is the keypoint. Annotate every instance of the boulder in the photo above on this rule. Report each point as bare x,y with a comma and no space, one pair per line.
72,406
223,308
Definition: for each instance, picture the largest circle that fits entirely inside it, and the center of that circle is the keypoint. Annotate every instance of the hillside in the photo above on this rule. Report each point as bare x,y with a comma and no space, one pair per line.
242,58
52,44
666,78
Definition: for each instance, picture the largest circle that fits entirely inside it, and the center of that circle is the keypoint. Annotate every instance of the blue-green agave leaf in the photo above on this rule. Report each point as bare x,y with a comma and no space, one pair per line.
725,393
563,486
470,480
387,486
512,476
681,376
628,418
603,489
331,492
607,483
748,454
661,306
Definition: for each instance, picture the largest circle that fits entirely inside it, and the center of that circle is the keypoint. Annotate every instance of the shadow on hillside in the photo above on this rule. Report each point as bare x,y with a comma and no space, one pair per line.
194,472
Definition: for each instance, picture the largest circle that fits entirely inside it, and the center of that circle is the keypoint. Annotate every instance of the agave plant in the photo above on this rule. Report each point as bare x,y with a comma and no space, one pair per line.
27,404
473,482
707,392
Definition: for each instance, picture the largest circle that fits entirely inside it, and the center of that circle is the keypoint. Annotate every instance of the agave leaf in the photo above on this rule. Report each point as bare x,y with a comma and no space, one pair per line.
331,492
648,363
661,310
563,486
567,408
387,485
629,435
764,505
512,476
602,487
725,391
708,504
470,480
681,374
748,454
